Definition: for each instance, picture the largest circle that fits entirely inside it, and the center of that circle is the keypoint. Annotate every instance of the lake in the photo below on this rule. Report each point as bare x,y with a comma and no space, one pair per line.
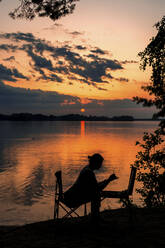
31,152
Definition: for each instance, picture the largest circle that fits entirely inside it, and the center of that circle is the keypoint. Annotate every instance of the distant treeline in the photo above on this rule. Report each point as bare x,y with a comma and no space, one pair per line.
70,117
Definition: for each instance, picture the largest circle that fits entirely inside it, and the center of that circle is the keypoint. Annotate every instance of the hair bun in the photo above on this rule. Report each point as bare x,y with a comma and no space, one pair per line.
95,157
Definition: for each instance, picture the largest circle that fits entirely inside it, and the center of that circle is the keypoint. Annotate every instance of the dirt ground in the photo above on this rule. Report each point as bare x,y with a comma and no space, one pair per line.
144,228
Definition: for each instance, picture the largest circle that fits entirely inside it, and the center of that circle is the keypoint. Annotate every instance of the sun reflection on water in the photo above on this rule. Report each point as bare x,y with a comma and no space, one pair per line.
82,128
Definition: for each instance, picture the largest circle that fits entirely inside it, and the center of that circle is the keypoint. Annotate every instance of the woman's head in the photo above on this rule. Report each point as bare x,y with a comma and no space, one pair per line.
95,161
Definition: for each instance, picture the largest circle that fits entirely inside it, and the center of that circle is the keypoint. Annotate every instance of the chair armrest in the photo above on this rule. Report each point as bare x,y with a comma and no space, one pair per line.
114,194
124,194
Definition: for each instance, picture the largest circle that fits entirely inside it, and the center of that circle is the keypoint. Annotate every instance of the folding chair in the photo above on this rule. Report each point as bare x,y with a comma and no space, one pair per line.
59,200
122,195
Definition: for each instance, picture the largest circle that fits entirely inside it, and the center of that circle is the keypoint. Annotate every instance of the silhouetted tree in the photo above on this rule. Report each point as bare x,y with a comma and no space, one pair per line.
150,162
154,56
54,9
151,159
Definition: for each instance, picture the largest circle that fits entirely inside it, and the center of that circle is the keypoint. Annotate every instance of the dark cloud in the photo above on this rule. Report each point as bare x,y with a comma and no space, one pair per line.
117,108
92,70
38,47
66,53
122,79
60,62
11,58
66,31
92,56
54,26
29,37
51,77
96,69
58,25
129,62
79,47
29,41
7,47
40,63
12,75
61,69
102,89
14,99
99,51
52,61
38,44
76,33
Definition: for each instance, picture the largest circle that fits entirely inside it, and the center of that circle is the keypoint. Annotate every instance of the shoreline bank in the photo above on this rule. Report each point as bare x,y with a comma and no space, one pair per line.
116,229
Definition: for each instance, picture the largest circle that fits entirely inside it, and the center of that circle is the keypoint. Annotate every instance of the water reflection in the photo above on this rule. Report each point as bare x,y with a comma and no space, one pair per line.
31,152
82,128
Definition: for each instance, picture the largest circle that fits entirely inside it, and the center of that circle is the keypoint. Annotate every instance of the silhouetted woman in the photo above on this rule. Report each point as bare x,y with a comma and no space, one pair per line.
86,188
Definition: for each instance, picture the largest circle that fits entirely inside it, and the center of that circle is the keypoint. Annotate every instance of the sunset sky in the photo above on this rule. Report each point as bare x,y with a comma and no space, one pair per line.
84,63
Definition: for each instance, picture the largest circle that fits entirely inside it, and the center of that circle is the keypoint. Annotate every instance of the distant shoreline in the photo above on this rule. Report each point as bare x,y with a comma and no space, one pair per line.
69,117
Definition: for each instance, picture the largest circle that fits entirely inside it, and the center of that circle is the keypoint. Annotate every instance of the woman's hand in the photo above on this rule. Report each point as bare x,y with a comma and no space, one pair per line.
113,177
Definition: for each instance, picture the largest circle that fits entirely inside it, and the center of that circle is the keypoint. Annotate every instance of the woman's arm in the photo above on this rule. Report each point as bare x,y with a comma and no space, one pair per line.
104,183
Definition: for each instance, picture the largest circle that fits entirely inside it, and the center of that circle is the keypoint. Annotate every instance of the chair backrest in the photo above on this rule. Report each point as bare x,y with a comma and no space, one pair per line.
132,180
59,185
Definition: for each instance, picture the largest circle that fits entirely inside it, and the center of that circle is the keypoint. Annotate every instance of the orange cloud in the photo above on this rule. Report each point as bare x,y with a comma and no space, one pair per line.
67,102
85,100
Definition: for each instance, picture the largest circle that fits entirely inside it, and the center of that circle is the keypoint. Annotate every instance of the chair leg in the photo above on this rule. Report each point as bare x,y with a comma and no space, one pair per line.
85,209
56,201
56,209
127,202
69,213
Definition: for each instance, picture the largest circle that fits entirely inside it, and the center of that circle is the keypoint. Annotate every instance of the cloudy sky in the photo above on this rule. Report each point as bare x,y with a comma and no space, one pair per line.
87,60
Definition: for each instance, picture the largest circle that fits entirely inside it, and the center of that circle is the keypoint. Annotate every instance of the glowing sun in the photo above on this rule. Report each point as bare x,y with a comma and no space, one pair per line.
82,110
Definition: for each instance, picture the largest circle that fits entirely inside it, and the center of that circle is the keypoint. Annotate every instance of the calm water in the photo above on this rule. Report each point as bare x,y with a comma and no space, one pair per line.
30,153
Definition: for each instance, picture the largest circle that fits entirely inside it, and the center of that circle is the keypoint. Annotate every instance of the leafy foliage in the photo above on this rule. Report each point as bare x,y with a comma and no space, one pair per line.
54,9
151,169
150,161
154,56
